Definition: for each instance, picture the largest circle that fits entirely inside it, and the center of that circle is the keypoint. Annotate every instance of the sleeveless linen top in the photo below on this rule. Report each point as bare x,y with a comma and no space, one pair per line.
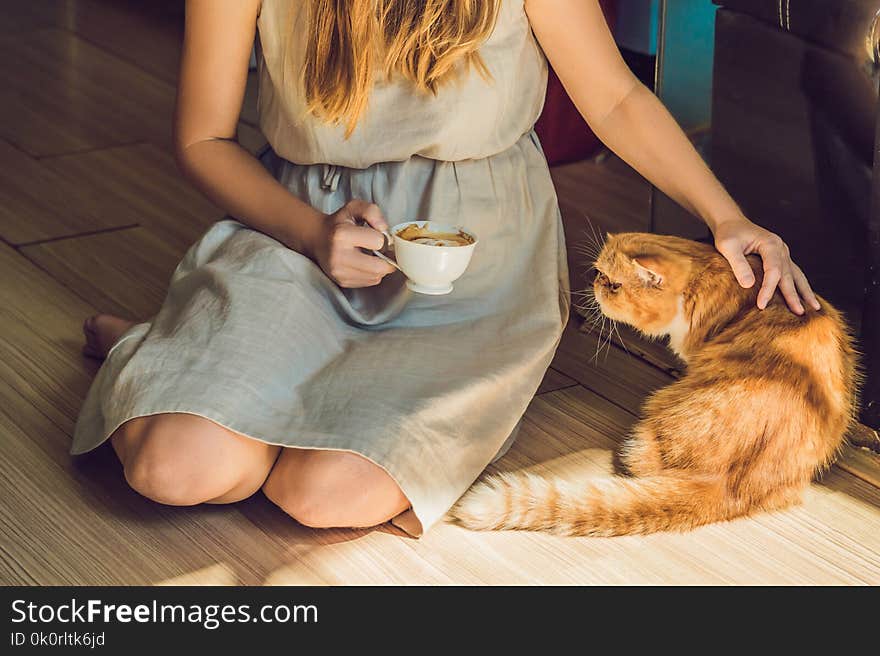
400,121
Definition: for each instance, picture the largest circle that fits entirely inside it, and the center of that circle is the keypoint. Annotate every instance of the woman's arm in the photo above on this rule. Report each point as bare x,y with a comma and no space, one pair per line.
632,121
213,74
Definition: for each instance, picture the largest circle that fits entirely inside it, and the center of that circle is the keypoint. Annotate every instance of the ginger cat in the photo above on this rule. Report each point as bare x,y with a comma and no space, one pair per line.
764,405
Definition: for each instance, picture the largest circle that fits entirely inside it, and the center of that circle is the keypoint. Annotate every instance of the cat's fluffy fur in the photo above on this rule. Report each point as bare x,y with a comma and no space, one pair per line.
764,405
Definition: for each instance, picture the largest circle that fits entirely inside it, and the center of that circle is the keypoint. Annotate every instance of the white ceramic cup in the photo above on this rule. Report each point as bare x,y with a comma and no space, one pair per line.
431,269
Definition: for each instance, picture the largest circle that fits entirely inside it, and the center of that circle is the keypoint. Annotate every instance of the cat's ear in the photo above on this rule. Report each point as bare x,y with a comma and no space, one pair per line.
648,270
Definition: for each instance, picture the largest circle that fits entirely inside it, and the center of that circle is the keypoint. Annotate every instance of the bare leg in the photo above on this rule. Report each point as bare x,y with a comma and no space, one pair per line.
327,489
101,332
182,459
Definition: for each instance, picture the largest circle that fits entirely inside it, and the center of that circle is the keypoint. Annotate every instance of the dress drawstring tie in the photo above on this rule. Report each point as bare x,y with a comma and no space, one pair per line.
330,176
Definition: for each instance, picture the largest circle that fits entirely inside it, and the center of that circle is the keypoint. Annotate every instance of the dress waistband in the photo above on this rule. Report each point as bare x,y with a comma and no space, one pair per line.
331,173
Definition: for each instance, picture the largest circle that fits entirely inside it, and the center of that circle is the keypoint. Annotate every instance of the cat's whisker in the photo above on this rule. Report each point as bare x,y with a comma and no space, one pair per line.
595,357
608,341
588,234
587,312
590,225
596,235
592,318
596,242
586,249
599,238
586,307
585,300
619,336
593,239
584,293
590,253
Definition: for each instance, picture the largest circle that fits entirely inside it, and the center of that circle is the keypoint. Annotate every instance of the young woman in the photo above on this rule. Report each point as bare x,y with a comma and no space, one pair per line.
287,359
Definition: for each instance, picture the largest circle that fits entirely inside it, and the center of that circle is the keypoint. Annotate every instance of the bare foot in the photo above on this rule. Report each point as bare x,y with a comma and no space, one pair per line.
102,331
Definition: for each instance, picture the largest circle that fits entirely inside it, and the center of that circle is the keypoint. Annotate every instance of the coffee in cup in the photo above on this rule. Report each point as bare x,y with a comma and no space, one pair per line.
423,234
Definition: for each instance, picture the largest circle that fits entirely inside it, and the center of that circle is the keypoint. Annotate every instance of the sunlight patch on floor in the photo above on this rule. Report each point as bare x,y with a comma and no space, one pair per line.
218,574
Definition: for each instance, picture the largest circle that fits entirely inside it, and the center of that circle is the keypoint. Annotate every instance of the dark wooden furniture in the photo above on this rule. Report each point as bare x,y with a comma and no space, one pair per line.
794,138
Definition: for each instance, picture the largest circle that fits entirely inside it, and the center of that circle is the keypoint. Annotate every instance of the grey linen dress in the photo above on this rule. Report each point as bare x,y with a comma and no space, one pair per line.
253,335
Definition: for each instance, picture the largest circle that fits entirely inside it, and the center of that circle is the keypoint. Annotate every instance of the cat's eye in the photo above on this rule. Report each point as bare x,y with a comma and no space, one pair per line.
606,282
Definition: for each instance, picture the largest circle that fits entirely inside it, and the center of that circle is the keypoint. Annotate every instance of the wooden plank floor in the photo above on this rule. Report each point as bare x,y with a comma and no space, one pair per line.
94,217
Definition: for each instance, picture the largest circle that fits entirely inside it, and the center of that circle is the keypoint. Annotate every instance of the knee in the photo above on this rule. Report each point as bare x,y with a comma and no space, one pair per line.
183,460
305,506
162,473
306,496
159,477
327,493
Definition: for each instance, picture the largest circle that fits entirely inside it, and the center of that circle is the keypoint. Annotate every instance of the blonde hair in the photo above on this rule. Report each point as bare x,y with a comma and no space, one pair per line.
425,41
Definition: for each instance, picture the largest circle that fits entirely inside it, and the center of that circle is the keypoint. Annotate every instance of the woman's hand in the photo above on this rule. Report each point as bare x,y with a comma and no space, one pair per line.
739,237
336,247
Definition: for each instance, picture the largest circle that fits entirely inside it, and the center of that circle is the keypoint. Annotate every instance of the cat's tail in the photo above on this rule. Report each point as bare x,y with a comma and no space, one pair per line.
612,505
